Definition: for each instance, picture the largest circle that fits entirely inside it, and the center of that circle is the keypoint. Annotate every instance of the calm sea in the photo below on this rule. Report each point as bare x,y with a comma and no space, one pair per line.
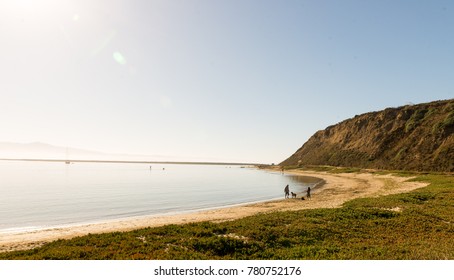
35,195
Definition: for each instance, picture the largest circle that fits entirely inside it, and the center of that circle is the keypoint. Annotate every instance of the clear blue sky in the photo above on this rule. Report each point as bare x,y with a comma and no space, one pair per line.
236,80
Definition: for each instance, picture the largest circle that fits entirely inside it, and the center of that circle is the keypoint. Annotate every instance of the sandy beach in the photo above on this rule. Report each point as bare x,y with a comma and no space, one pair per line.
337,189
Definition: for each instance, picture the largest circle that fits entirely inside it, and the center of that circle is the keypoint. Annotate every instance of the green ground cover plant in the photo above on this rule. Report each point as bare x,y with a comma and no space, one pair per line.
415,225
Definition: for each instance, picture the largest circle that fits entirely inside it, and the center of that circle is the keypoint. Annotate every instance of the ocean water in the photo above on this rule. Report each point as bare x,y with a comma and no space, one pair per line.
36,195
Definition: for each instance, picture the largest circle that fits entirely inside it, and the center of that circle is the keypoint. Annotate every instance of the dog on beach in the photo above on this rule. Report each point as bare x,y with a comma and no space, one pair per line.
293,195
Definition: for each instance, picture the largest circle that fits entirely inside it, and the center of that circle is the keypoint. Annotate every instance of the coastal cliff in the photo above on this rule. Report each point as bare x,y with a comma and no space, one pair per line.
413,137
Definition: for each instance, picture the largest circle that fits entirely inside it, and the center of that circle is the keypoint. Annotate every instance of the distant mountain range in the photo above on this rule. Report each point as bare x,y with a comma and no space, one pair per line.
414,137
41,150
38,150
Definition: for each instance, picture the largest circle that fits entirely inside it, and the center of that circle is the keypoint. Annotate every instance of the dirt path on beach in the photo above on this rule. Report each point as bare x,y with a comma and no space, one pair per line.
337,189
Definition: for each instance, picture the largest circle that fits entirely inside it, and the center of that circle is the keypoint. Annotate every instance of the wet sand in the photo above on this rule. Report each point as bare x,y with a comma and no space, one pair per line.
337,189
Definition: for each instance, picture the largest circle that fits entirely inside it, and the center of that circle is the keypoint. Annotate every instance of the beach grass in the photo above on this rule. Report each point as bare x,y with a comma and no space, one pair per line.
414,225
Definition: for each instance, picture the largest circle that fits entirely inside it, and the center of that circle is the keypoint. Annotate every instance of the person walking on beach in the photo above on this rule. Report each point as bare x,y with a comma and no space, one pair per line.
287,191
308,192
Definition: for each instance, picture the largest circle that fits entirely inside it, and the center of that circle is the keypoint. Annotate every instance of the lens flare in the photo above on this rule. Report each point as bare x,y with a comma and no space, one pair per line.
119,58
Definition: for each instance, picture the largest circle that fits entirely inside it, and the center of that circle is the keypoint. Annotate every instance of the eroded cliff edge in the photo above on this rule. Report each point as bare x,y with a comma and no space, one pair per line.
413,137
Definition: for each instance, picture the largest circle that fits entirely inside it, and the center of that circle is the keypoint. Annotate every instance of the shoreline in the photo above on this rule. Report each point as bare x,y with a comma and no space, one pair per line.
32,229
334,191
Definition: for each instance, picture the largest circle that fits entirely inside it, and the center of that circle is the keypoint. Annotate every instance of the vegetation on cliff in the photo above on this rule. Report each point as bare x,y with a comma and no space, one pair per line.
414,137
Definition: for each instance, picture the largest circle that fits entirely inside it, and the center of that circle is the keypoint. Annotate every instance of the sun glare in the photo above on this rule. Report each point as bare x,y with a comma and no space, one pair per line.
38,7
25,4
27,9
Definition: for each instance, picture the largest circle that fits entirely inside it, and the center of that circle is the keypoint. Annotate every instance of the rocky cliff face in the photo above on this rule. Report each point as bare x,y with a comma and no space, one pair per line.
417,137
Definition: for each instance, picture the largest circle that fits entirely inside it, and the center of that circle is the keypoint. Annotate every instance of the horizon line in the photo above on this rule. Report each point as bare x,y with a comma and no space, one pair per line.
130,161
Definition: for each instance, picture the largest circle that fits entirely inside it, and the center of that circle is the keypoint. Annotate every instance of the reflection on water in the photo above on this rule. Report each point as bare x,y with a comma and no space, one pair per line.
46,194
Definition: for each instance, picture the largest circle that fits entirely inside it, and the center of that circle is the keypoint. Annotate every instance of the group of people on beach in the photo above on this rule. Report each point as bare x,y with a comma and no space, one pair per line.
287,193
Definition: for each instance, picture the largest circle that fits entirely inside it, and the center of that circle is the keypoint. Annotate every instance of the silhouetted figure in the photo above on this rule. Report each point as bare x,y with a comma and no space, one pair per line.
308,192
287,191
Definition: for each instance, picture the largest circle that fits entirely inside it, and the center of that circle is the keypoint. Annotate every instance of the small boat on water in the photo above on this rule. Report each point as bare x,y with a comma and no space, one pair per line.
67,153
